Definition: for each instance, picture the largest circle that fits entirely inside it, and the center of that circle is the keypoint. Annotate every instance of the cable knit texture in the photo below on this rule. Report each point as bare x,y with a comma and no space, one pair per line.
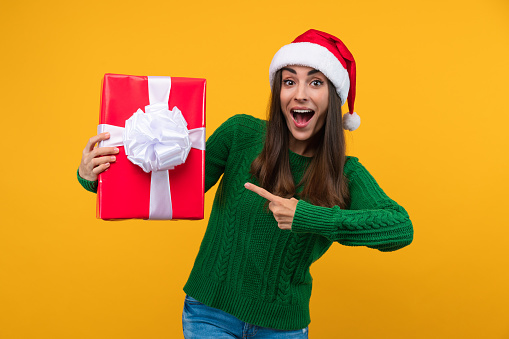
250,268
90,186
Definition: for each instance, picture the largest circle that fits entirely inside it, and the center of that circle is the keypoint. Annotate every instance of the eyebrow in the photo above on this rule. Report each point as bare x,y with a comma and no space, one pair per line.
291,70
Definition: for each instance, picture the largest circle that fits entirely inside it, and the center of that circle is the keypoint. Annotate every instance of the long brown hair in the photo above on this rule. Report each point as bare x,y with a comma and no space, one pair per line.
324,183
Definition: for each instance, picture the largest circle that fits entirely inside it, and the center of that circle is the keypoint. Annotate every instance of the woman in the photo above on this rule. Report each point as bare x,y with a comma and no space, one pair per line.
287,193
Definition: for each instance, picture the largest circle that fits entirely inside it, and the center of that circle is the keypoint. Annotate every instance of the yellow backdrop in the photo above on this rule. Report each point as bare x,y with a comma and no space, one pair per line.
432,93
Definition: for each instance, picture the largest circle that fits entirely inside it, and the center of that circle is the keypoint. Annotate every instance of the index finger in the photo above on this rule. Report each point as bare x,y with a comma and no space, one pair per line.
95,139
261,191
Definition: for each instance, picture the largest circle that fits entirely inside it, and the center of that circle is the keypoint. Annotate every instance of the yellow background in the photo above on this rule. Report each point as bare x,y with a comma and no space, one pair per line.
432,94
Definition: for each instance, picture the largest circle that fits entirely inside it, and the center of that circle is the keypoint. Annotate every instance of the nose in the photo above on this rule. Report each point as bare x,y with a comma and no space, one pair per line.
301,94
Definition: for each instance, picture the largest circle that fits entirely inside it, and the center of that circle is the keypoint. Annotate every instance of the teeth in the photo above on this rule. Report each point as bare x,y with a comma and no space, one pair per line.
302,110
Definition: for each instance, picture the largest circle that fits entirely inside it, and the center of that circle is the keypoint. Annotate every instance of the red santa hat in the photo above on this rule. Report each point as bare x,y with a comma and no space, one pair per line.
330,56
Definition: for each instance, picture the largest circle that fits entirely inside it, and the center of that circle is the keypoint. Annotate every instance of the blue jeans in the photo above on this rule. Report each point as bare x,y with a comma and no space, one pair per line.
202,321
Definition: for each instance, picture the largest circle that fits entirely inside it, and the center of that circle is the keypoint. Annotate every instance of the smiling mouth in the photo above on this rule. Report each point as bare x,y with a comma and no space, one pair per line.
302,116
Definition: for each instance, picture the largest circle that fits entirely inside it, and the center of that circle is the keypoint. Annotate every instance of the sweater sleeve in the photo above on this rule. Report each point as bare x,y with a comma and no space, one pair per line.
87,184
373,220
218,149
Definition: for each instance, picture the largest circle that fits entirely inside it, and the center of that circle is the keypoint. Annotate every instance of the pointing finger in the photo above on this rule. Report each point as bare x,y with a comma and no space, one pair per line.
261,192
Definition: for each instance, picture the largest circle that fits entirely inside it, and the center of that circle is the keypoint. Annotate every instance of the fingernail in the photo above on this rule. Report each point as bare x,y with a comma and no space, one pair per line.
116,150
113,158
107,164
107,134
246,185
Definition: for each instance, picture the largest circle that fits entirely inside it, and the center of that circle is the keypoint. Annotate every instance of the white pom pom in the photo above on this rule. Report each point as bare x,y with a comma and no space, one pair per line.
351,121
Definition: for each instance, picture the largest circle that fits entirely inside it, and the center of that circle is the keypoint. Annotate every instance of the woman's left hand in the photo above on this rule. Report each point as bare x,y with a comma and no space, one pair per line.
282,208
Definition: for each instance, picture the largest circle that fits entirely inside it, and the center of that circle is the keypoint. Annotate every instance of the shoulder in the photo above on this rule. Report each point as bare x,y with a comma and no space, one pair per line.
351,163
246,123
359,176
353,167
244,130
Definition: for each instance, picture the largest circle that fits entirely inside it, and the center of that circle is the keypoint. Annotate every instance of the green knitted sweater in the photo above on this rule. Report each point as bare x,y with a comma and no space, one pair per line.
246,265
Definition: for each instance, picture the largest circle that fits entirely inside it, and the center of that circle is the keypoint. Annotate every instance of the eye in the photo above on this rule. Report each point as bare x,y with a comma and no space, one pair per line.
317,83
288,82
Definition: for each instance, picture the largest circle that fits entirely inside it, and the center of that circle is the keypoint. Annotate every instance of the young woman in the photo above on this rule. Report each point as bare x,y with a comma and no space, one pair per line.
287,192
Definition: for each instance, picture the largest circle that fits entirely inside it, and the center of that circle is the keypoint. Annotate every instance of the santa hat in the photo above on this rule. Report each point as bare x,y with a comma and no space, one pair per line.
330,56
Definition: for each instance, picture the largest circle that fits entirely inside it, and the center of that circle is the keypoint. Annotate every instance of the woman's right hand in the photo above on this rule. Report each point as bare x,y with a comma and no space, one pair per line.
96,159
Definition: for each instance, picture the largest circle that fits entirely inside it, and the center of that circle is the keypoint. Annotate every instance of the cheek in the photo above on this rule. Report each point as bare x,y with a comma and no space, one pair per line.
285,97
325,99
324,104
284,104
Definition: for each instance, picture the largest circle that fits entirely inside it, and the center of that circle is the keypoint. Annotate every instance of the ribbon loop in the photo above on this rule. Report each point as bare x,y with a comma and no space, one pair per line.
157,140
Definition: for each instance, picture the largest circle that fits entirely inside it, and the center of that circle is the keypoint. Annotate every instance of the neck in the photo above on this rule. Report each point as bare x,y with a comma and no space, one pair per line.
305,148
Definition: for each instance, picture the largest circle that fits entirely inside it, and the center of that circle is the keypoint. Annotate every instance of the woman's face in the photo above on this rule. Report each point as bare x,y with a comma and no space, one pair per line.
304,102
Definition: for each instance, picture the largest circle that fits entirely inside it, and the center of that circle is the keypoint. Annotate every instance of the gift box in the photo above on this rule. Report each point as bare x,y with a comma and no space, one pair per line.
158,124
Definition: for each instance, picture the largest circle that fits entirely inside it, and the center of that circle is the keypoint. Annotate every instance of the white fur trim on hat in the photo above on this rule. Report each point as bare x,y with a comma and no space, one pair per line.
316,56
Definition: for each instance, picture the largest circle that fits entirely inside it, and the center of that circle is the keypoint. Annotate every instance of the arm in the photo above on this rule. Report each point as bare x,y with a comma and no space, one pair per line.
373,220
238,132
217,150
90,186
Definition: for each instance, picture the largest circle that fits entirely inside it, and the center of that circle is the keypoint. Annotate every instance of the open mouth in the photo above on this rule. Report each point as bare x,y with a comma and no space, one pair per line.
302,116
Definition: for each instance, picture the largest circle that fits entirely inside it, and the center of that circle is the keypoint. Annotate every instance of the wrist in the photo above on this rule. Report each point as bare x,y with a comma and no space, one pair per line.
84,176
89,185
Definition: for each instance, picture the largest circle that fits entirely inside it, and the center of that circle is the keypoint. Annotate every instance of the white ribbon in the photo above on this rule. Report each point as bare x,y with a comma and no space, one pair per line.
157,140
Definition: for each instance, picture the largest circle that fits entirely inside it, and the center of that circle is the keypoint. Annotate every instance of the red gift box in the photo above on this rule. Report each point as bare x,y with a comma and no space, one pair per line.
124,190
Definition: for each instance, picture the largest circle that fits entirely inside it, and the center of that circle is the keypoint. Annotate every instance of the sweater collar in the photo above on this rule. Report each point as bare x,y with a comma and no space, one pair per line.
298,160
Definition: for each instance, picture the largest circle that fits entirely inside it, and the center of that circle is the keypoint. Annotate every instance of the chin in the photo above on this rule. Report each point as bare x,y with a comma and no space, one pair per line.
301,136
